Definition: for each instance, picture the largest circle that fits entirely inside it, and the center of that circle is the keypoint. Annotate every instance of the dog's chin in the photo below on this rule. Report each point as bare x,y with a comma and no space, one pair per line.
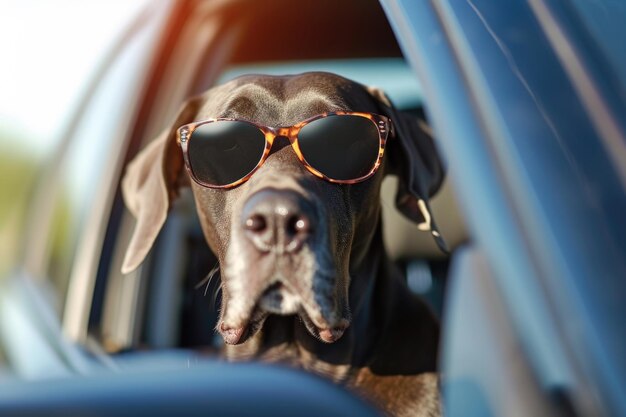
324,333
277,301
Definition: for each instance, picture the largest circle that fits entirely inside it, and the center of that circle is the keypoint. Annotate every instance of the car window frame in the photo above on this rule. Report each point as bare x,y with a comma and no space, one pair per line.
527,261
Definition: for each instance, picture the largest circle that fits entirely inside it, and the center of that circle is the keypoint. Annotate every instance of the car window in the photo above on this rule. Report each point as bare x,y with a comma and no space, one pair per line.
73,181
605,22
2,358
43,74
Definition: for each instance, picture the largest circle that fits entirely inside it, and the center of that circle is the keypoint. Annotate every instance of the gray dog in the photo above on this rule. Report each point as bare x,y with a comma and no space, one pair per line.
297,229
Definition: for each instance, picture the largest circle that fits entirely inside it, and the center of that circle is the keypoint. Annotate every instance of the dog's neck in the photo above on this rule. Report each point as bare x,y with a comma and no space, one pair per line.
383,324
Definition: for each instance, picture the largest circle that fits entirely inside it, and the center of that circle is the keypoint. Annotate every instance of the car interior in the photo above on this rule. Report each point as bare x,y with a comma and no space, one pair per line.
173,299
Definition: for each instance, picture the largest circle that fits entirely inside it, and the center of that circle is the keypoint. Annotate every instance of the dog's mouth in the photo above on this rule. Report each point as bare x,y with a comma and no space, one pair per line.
263,274
277,299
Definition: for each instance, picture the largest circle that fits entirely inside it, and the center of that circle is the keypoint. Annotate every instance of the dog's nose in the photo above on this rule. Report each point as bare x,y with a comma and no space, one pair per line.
278,220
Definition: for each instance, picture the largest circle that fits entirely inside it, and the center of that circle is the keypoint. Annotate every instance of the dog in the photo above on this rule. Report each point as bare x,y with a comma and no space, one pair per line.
304,274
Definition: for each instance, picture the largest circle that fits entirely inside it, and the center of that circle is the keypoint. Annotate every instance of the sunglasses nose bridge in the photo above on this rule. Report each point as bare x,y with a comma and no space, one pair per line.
275,134
285,132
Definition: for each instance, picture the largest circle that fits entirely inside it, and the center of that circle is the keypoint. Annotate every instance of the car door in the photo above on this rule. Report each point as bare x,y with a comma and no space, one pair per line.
528,106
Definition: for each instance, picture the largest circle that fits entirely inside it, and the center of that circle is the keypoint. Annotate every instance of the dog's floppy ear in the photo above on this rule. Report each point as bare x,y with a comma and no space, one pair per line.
151,183
414,158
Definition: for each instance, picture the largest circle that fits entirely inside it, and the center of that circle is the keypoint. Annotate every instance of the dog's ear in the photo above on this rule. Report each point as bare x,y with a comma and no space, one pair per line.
413,157
152,181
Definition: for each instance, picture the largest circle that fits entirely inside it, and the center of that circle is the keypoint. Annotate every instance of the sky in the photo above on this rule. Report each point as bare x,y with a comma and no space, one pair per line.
48,51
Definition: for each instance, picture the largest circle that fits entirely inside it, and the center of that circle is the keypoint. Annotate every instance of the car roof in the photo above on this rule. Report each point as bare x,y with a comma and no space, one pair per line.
284,29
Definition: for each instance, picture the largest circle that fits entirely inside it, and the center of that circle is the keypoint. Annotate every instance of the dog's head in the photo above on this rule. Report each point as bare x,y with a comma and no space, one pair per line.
287,241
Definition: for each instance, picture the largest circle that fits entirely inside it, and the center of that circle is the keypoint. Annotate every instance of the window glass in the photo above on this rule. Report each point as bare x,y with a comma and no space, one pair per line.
49,51
92,153
605,21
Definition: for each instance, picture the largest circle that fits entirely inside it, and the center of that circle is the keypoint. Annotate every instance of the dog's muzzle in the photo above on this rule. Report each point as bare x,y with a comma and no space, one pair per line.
280,237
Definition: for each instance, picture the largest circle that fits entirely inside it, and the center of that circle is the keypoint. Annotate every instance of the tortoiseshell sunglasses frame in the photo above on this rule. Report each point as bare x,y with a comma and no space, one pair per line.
383,125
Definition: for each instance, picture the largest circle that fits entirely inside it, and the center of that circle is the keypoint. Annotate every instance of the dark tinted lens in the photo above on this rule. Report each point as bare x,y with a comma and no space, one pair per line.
221,153
340,147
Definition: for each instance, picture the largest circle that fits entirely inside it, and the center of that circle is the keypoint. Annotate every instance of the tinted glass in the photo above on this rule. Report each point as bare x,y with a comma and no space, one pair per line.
605,22
340,147
221,153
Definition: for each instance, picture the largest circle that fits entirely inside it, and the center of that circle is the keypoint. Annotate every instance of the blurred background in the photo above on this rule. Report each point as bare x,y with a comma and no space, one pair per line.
46,66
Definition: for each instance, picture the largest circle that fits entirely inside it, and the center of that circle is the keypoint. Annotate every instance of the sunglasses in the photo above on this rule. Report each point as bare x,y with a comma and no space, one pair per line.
340,147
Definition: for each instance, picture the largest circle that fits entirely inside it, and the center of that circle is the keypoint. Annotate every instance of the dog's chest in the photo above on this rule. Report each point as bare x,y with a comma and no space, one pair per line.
295,356
400,395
